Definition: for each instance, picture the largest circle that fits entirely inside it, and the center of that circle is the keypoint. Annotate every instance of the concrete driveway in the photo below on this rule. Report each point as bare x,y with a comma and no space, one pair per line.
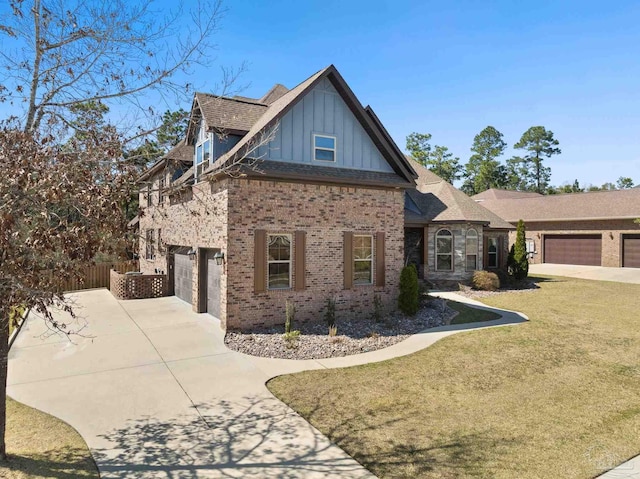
600,273
156,394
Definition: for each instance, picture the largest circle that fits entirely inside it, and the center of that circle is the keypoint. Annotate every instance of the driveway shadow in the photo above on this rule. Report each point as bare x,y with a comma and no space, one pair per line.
254,437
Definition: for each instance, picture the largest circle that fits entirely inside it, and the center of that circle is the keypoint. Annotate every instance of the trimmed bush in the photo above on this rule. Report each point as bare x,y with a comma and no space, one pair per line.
485,281
408,300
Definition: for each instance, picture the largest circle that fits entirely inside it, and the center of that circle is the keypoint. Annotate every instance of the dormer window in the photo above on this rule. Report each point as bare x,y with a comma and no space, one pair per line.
324,148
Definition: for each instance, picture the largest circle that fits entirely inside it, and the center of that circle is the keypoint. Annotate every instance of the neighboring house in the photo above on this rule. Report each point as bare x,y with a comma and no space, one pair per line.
592,228
447,234
298,196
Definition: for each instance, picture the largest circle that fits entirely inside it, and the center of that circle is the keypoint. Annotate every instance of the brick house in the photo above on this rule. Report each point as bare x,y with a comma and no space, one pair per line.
592,228
300,195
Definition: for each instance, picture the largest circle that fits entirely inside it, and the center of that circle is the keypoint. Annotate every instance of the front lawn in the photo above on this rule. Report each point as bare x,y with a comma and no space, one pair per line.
558,396
467,314
40,445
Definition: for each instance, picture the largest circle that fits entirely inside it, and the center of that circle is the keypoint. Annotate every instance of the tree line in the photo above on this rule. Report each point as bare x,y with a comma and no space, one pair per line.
485,170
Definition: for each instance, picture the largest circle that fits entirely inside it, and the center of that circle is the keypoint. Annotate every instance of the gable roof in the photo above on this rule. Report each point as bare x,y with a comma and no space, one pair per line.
440,201
182,152
233,115
497,194
276,92
594,205
279,107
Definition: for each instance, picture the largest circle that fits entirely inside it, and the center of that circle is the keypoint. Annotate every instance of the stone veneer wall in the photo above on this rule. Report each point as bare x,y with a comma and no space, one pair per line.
459,231
611,247
324,212
199,222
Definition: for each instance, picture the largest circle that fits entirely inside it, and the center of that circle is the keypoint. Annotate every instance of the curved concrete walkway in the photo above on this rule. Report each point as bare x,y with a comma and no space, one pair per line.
156,394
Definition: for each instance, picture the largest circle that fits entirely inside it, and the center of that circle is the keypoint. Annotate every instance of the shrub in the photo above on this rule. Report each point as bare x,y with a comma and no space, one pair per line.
330,312
291,338
518,262
408,299
377,309
333,330
290,314
485,281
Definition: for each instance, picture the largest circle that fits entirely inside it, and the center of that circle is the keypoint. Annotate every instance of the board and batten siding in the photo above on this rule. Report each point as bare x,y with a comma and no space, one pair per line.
323,111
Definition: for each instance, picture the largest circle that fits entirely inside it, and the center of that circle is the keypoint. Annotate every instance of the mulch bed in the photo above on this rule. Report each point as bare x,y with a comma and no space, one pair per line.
354,336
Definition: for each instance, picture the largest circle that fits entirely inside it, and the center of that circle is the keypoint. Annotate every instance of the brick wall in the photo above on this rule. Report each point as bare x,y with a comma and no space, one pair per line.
201,222
611,231
324,213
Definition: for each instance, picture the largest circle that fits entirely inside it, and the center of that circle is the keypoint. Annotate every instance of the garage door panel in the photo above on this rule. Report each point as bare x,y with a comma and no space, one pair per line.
573,249
183,277
631,251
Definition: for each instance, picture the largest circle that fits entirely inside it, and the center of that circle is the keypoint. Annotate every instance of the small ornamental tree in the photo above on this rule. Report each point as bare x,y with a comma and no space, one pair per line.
408,299
519,267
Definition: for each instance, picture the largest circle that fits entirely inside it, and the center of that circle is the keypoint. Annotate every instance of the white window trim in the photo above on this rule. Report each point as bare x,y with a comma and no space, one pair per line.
202,138
370,260
334,149
290,261
435,247
466,253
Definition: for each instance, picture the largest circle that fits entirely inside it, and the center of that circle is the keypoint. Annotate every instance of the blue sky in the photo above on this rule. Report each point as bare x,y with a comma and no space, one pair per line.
450,68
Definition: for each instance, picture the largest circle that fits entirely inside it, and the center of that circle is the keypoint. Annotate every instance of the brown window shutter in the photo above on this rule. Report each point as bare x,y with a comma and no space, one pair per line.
260,261
502,258
380,259
299,255
348,260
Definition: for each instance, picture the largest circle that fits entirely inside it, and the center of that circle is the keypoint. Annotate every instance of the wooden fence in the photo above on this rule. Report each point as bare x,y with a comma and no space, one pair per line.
97,276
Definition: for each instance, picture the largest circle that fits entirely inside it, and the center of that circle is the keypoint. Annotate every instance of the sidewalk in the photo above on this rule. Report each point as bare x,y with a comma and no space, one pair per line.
155,393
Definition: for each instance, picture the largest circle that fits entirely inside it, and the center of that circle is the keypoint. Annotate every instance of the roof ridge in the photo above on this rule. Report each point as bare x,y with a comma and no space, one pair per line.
236,99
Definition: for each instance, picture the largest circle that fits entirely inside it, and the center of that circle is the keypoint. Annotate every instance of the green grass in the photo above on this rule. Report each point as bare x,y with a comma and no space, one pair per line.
467,314
40,445
556,397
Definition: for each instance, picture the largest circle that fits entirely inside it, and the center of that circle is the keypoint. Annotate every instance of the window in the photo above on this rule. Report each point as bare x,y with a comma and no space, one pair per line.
472,250
531,246
279,261
444,251
362,259
161,190
159,239
324,148
203,149
150,253
149,201
492,253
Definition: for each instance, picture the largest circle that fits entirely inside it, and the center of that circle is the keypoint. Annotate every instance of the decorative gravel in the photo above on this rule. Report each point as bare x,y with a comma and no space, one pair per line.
354,337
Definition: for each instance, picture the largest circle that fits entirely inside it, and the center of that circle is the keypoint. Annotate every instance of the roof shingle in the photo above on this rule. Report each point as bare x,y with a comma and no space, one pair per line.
440,201
234,114
616,204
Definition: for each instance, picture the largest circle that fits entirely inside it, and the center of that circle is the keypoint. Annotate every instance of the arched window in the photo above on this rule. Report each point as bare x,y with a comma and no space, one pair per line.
472,249
444,250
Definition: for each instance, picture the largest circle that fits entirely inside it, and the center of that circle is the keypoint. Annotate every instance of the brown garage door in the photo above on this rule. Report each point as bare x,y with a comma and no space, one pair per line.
631,251
573,249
